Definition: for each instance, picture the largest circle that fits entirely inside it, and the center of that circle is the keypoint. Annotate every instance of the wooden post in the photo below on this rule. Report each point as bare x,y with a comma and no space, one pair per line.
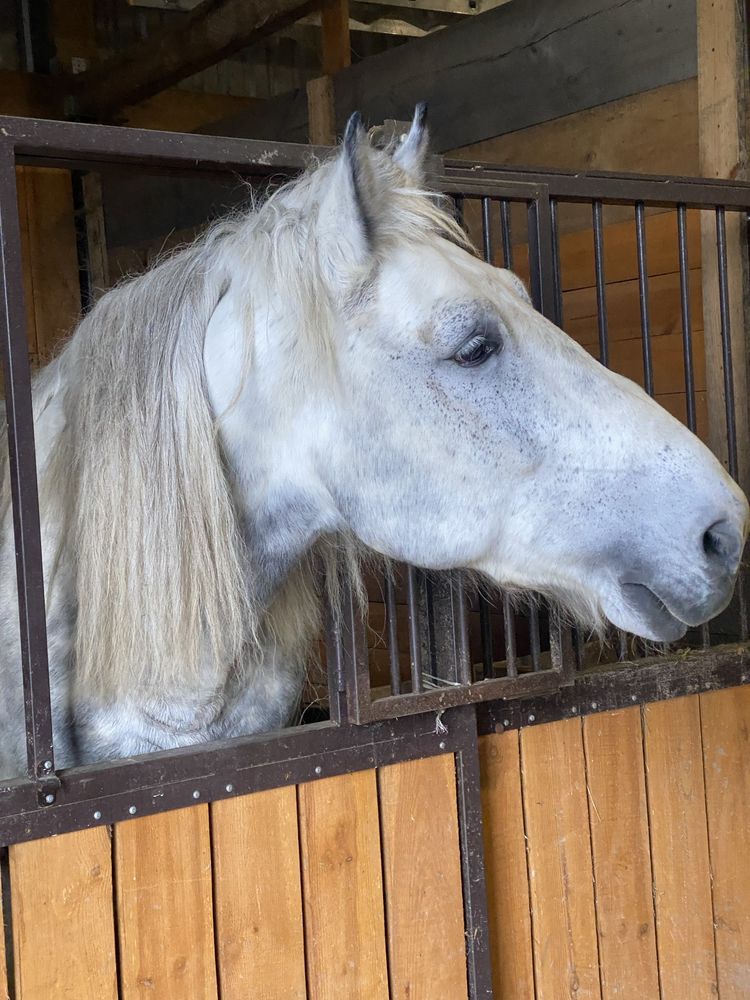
723,131
335,55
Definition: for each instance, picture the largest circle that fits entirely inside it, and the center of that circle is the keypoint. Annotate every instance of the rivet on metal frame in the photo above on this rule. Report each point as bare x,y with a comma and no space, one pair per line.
132,810
97,815
196,794
318,769
229,788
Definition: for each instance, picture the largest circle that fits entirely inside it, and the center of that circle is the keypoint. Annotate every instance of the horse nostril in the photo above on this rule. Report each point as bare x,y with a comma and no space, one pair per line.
722,543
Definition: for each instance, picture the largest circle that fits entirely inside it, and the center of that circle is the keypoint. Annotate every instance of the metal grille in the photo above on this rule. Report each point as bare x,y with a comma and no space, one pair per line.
461,647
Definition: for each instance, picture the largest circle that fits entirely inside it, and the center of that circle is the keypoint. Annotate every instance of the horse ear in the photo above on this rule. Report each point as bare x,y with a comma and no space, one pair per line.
351,202
412,152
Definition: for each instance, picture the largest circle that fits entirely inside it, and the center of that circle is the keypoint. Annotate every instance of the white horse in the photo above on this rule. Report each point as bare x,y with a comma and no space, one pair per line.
333,369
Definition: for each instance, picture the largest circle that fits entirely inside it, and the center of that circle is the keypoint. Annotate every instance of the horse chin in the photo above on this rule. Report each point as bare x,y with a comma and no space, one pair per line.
639,610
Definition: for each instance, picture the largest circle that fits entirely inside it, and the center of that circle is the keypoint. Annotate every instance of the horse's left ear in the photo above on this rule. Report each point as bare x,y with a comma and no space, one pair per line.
412,152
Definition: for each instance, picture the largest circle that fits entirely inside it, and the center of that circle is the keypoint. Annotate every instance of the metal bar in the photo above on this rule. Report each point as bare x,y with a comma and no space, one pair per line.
471,837
640,239
541,257
612,188
687,326
487,230
726,339
601,287
485,628
106,793
606,688
507,241
354,659
461,624
415,639
509,623
23,483
391,624
556,269
535,637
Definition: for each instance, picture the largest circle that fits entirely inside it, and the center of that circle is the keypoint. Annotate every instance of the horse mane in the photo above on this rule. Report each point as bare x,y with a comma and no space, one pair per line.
150,522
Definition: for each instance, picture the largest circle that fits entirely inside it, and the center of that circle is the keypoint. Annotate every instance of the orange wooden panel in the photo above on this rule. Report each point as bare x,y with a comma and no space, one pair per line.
725,717
343,888
560,866
506,868
28,288
164,906
422,870
4,994
257,896
618,817
679,849
62,908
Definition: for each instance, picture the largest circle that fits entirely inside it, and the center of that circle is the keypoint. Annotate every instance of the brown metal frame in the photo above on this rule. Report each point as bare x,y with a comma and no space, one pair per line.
47,801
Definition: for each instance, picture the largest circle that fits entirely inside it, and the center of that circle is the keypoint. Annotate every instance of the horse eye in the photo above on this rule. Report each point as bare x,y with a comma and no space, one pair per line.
475,351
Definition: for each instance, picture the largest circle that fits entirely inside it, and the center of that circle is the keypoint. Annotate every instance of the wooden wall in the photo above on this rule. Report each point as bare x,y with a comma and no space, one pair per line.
616,859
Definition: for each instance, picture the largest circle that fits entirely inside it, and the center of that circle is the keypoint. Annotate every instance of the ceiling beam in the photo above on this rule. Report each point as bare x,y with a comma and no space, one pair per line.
212,32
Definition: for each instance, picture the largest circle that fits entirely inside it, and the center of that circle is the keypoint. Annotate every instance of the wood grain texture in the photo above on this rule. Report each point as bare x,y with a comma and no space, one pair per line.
335,43
506,867
679,849
320,107
566,958
4,974
422,872
63,926
343,888
725,723
258,897
164,906
618,818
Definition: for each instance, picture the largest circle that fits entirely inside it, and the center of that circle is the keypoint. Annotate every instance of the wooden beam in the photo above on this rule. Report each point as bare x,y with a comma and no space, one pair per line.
521,64
29,95
335,43
320,111
215,30
723,139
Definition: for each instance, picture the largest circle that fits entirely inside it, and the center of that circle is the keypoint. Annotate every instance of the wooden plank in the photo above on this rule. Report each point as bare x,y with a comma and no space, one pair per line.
63,928
212,32
178,110
164,906
725,726
259,933
679,849
422,872
618,817
31,95
335,43
566,957
53,256
343,888
321,116
622,135
4,972
723,138
489,75
505,867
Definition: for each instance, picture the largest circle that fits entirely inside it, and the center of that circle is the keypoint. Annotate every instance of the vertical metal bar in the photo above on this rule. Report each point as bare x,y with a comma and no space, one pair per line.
541,256
471,837
640,239
687,326
726,350
458,202
487,229
509,623
391,627
726,339
415,639
507,241
23,482
463,652
485,628
355,664
601,287
687,345
535,637
556,270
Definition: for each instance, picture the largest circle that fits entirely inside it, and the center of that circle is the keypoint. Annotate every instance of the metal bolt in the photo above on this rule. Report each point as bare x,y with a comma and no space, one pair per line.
132,810
573,709
634,697
441,744
49,798
97,815
318,769
230,788
506,722
594,705
47,765
196,794
532,718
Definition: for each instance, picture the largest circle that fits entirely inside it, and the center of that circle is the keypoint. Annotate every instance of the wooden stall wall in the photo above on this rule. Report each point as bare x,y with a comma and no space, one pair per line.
616,861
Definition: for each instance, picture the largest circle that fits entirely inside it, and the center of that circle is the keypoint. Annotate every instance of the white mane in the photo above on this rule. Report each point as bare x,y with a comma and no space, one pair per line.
151,532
